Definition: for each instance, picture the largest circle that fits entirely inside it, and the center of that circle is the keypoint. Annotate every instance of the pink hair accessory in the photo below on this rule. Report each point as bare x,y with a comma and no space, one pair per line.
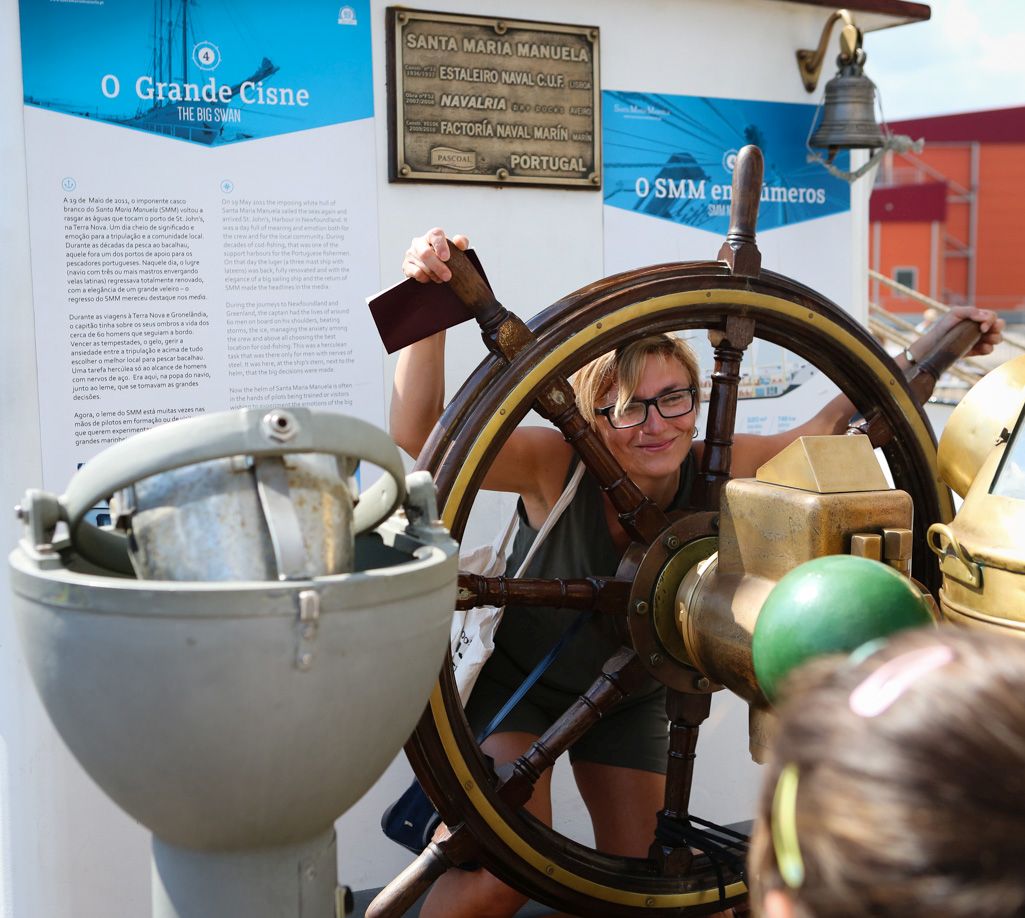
884,686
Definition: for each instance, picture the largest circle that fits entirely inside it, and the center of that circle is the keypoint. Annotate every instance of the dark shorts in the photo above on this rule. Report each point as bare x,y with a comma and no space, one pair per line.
634,734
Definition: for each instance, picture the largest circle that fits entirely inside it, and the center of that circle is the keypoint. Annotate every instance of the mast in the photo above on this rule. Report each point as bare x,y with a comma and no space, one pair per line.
158,40
185,41
170,44
156,43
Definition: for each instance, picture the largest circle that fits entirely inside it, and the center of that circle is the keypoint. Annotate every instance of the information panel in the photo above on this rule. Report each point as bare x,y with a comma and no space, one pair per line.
668,186
505,101
202,214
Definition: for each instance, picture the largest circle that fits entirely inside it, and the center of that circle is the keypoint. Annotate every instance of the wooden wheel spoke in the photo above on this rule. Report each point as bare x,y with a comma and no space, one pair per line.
400,895
506,335
600,594
642,519
730,343
686,713
621,675
741,255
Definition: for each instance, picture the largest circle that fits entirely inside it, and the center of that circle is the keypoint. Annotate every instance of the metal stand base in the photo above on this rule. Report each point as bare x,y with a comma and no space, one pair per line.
292,881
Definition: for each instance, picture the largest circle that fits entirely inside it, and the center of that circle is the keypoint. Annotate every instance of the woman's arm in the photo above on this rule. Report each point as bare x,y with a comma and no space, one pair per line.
418,389
418,393
532,462
751,451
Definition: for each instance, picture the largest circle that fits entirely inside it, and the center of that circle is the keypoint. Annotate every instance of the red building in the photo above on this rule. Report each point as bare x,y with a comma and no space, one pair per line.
950,221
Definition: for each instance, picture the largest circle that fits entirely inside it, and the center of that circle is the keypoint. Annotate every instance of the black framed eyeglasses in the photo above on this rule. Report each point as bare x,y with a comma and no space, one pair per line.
674,404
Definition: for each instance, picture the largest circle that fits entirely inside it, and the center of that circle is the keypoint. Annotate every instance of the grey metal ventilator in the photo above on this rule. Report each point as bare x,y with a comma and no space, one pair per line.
239,664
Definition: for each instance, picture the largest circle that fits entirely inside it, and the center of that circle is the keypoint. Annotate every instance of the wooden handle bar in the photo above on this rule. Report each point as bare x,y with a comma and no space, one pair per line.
470,287
399,896
957,342
598,593
622,675
739,250
922,377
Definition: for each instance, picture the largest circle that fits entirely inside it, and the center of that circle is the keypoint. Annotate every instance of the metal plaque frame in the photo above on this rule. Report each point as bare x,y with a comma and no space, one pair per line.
495,101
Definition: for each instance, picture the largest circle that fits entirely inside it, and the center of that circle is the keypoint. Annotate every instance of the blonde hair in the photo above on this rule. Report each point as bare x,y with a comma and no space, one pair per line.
623,366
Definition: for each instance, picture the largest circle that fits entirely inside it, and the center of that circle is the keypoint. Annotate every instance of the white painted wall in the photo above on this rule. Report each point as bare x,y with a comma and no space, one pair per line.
64,849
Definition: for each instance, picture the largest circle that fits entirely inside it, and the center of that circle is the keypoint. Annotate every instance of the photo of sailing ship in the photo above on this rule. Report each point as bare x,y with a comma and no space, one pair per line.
671,157
766,380
208,72
778,390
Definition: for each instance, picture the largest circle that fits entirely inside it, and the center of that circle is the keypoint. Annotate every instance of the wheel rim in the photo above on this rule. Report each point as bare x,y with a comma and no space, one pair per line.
529,856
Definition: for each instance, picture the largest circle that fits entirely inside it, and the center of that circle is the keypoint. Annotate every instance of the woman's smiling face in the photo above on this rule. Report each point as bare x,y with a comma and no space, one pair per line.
656,449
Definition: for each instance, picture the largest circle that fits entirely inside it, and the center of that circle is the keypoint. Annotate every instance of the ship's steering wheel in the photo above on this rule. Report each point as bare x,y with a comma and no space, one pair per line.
528,368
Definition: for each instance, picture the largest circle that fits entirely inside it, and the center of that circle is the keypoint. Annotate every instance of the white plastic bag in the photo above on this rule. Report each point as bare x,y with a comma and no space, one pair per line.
473,630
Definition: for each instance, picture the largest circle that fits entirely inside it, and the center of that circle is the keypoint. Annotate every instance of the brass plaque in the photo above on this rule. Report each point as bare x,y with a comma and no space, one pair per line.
503,101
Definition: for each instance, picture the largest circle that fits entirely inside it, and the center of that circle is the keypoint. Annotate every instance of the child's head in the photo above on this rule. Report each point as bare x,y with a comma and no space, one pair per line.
897,783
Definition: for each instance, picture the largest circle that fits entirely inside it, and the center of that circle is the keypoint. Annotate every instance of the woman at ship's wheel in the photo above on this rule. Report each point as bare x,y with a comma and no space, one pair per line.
643,401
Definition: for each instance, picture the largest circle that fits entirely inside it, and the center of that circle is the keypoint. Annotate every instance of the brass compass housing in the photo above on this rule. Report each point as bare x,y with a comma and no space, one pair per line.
982,552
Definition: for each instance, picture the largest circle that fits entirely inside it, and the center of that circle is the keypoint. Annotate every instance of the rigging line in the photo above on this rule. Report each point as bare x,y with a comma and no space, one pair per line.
241,24
691,127
153,36
158,38
664,156
691,120
633,134
674,159
810,169
185,41
676,214
646,99
666,159
695,132
708,163
657,146
698,129
172,30
685,116
657,164
655,142
721,116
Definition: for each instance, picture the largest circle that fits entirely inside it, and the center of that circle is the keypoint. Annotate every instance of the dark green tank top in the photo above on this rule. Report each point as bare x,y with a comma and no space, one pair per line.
579,545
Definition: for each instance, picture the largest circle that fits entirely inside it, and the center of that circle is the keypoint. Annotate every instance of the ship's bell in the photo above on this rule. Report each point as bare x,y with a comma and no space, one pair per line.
848,110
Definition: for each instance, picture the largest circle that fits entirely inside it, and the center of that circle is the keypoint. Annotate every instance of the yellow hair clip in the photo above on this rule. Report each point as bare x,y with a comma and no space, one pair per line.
784,828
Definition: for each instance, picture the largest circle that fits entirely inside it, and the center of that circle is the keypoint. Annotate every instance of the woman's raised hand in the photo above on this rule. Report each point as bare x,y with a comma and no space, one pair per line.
990,324
425,258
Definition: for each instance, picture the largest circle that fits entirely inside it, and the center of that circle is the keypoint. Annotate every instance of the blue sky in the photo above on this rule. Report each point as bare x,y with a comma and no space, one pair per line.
969,56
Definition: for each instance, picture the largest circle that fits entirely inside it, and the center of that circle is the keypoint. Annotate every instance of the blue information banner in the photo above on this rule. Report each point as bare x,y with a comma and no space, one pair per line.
210,72
169,279
671,157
